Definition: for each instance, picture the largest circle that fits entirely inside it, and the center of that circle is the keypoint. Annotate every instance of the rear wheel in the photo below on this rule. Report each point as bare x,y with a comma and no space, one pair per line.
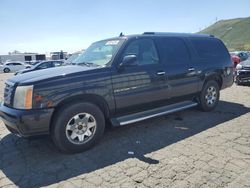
6,70
78,127
209,96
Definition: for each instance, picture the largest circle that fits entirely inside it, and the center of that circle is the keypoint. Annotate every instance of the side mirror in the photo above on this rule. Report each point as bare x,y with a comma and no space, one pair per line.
128,61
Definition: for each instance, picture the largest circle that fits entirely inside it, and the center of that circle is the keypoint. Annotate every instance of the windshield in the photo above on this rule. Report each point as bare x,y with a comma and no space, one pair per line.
99,53
72,58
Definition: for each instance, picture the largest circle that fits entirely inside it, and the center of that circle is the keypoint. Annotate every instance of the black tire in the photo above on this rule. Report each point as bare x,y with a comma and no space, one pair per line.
6,70
203,101
237,81
63,118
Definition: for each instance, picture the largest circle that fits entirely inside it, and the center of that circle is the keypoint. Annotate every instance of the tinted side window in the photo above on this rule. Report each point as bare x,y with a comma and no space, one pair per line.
209,48
44,65
145,51
173,50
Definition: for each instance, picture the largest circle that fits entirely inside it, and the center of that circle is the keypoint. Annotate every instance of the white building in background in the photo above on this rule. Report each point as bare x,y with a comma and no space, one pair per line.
58,55
17,56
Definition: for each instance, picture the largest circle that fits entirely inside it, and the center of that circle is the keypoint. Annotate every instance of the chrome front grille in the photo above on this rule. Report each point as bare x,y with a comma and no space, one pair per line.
8,93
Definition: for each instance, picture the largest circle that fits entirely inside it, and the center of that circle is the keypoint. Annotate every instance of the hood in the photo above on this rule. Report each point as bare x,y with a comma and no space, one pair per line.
245,63
40,75
26,70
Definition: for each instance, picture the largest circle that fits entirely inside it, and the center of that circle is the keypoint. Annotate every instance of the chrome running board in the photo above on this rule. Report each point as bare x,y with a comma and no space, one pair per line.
140,116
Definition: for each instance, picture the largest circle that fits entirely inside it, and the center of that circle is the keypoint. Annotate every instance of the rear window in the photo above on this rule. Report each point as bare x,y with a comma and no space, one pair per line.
209,48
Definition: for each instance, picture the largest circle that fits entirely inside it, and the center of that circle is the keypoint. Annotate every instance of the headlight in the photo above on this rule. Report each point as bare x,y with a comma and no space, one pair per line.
239,66
23,97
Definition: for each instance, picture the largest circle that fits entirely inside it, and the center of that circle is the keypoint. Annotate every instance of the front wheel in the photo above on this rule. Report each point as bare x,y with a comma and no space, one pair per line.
77,127
209,96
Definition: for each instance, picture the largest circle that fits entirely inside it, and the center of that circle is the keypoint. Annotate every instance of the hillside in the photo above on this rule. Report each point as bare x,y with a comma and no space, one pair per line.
235,33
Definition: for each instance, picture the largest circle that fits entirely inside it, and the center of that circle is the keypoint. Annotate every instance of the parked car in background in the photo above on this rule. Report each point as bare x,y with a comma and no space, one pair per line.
13,66
243,72
235,59
41,65
242,55
129,79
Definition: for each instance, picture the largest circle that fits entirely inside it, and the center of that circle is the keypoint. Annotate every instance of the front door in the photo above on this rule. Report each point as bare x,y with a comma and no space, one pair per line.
143,85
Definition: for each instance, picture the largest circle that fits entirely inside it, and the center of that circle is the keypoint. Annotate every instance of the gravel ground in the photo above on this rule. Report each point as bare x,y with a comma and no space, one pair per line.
185,149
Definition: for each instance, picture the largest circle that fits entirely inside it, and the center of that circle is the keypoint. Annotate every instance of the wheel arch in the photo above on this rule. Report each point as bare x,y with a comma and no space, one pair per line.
213,76
91,98
6,68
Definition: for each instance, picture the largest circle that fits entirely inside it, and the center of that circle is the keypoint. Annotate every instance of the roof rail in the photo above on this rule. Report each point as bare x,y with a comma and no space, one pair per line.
148,33
178,34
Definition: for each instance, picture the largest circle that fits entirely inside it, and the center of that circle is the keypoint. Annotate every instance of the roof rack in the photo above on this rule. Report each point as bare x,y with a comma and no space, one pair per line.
148,33
177,34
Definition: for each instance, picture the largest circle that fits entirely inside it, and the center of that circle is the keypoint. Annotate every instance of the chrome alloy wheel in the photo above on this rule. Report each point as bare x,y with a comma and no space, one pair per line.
81,128
211,96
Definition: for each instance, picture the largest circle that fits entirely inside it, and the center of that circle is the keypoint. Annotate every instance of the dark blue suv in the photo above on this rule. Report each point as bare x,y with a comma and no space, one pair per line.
123,80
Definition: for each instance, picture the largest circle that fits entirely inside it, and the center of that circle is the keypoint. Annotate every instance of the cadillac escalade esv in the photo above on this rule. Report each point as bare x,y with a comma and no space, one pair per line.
121,80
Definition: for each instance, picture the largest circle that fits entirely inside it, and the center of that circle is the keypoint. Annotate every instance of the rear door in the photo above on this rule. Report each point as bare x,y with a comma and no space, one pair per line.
176,57
143,86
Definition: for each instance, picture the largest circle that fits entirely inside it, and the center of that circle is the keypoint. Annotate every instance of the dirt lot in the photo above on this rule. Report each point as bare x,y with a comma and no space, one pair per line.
185,149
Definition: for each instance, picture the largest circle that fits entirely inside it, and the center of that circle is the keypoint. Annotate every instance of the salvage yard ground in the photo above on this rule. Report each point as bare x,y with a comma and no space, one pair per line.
185,149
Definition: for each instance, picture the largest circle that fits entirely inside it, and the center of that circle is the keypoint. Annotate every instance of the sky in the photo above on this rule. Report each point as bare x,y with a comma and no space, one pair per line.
44,26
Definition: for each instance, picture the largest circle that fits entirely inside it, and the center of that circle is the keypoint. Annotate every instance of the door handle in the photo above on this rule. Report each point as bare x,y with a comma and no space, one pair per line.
161,73
191,69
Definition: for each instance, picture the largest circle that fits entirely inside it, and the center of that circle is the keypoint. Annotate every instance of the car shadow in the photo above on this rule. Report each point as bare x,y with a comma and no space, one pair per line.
36,162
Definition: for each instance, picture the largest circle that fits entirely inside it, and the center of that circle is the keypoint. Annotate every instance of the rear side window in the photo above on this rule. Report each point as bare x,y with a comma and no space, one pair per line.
44,65
173,51
209,48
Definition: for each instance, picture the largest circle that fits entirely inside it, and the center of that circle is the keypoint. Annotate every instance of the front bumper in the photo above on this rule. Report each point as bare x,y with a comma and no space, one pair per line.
242,76
26,122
